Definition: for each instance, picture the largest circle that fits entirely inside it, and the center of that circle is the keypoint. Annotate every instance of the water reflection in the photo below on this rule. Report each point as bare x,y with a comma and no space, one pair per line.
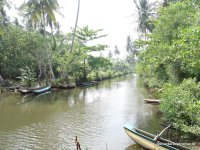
95,114
134,147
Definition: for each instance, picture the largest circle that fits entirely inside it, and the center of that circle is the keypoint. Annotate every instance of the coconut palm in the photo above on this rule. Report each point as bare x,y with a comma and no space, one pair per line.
145,12
41,14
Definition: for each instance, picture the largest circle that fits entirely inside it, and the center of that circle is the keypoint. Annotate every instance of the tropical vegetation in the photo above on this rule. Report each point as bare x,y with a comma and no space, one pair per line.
36,51
169,63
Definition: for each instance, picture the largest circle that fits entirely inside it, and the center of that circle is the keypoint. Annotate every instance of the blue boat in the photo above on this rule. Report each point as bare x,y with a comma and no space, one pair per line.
41,90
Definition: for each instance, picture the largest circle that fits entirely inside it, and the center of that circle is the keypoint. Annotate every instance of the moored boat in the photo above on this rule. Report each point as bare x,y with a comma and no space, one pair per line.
41,89
28,90
86,84
155,101
67,86
147,140
24,91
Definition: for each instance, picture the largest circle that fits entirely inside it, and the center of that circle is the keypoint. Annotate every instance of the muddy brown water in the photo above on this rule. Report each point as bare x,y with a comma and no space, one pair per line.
95,114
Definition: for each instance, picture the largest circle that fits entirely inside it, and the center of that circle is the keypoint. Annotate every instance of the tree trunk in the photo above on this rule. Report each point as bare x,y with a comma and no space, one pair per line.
2,81
84,71
52,76
40,73
77,15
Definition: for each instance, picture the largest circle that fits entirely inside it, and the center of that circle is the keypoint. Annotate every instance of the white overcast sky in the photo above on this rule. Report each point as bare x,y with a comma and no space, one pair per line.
114,16
117,18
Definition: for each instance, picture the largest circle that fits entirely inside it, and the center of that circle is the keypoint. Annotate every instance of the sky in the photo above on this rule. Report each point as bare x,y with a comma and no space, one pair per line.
117,18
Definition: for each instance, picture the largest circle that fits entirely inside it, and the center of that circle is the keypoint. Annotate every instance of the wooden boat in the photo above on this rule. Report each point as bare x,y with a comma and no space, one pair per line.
41,89
147,140
24,91
67,86
86,84
156,101
28,90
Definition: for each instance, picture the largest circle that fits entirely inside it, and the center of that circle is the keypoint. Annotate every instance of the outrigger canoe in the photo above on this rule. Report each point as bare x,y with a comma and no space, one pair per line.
41,90
146,140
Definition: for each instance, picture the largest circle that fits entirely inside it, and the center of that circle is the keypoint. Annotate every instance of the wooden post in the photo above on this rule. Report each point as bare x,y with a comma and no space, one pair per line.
78,146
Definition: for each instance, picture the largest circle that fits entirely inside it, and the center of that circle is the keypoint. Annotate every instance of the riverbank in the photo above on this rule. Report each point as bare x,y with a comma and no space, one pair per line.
58,85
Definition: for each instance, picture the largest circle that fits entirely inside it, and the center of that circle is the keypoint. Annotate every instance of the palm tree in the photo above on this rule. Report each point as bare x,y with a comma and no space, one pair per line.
40,14
145,12
76,23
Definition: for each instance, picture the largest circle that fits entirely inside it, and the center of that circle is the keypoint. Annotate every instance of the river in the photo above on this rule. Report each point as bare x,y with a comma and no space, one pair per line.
96,115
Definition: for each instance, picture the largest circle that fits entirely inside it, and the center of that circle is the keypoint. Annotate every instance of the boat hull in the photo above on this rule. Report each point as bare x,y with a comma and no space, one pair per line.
155,101
41,90
146,140
24,91
143,142
83,84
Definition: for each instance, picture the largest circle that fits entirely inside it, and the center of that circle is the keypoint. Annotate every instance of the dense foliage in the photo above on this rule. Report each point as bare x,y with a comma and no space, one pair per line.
171,56
32,53
22,48
181,106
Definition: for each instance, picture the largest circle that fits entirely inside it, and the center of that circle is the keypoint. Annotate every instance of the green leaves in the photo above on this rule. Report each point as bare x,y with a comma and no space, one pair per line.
27,76
171,56
181,105
40,13
174,44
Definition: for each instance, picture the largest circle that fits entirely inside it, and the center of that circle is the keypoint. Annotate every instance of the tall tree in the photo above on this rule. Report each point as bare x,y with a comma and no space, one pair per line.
117,52
76,23
146,10
84,35
41,13
3,23
4,19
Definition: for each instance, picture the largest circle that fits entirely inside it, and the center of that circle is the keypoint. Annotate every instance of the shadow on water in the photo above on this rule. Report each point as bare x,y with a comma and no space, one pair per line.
134,147
33,97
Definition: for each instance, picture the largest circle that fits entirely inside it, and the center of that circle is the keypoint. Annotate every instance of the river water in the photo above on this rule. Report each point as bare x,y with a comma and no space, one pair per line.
96,115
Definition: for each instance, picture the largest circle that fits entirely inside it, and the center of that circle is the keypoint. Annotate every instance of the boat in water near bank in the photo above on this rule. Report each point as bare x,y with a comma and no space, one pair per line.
41,89
152,101
151,141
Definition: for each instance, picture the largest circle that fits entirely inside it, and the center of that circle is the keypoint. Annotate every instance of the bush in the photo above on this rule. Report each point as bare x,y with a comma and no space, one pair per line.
181,106
92,75
27,76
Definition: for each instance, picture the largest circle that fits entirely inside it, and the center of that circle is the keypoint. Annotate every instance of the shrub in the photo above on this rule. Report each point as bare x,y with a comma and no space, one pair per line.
27,76
181,105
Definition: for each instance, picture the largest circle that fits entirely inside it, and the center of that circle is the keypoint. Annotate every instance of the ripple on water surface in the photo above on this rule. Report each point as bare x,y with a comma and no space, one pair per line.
95,114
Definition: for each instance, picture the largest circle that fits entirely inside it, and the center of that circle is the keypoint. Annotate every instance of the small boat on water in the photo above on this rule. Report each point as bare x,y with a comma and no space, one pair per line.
67,86
41,89
147,140
86,84
28,90
24,91
155,101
